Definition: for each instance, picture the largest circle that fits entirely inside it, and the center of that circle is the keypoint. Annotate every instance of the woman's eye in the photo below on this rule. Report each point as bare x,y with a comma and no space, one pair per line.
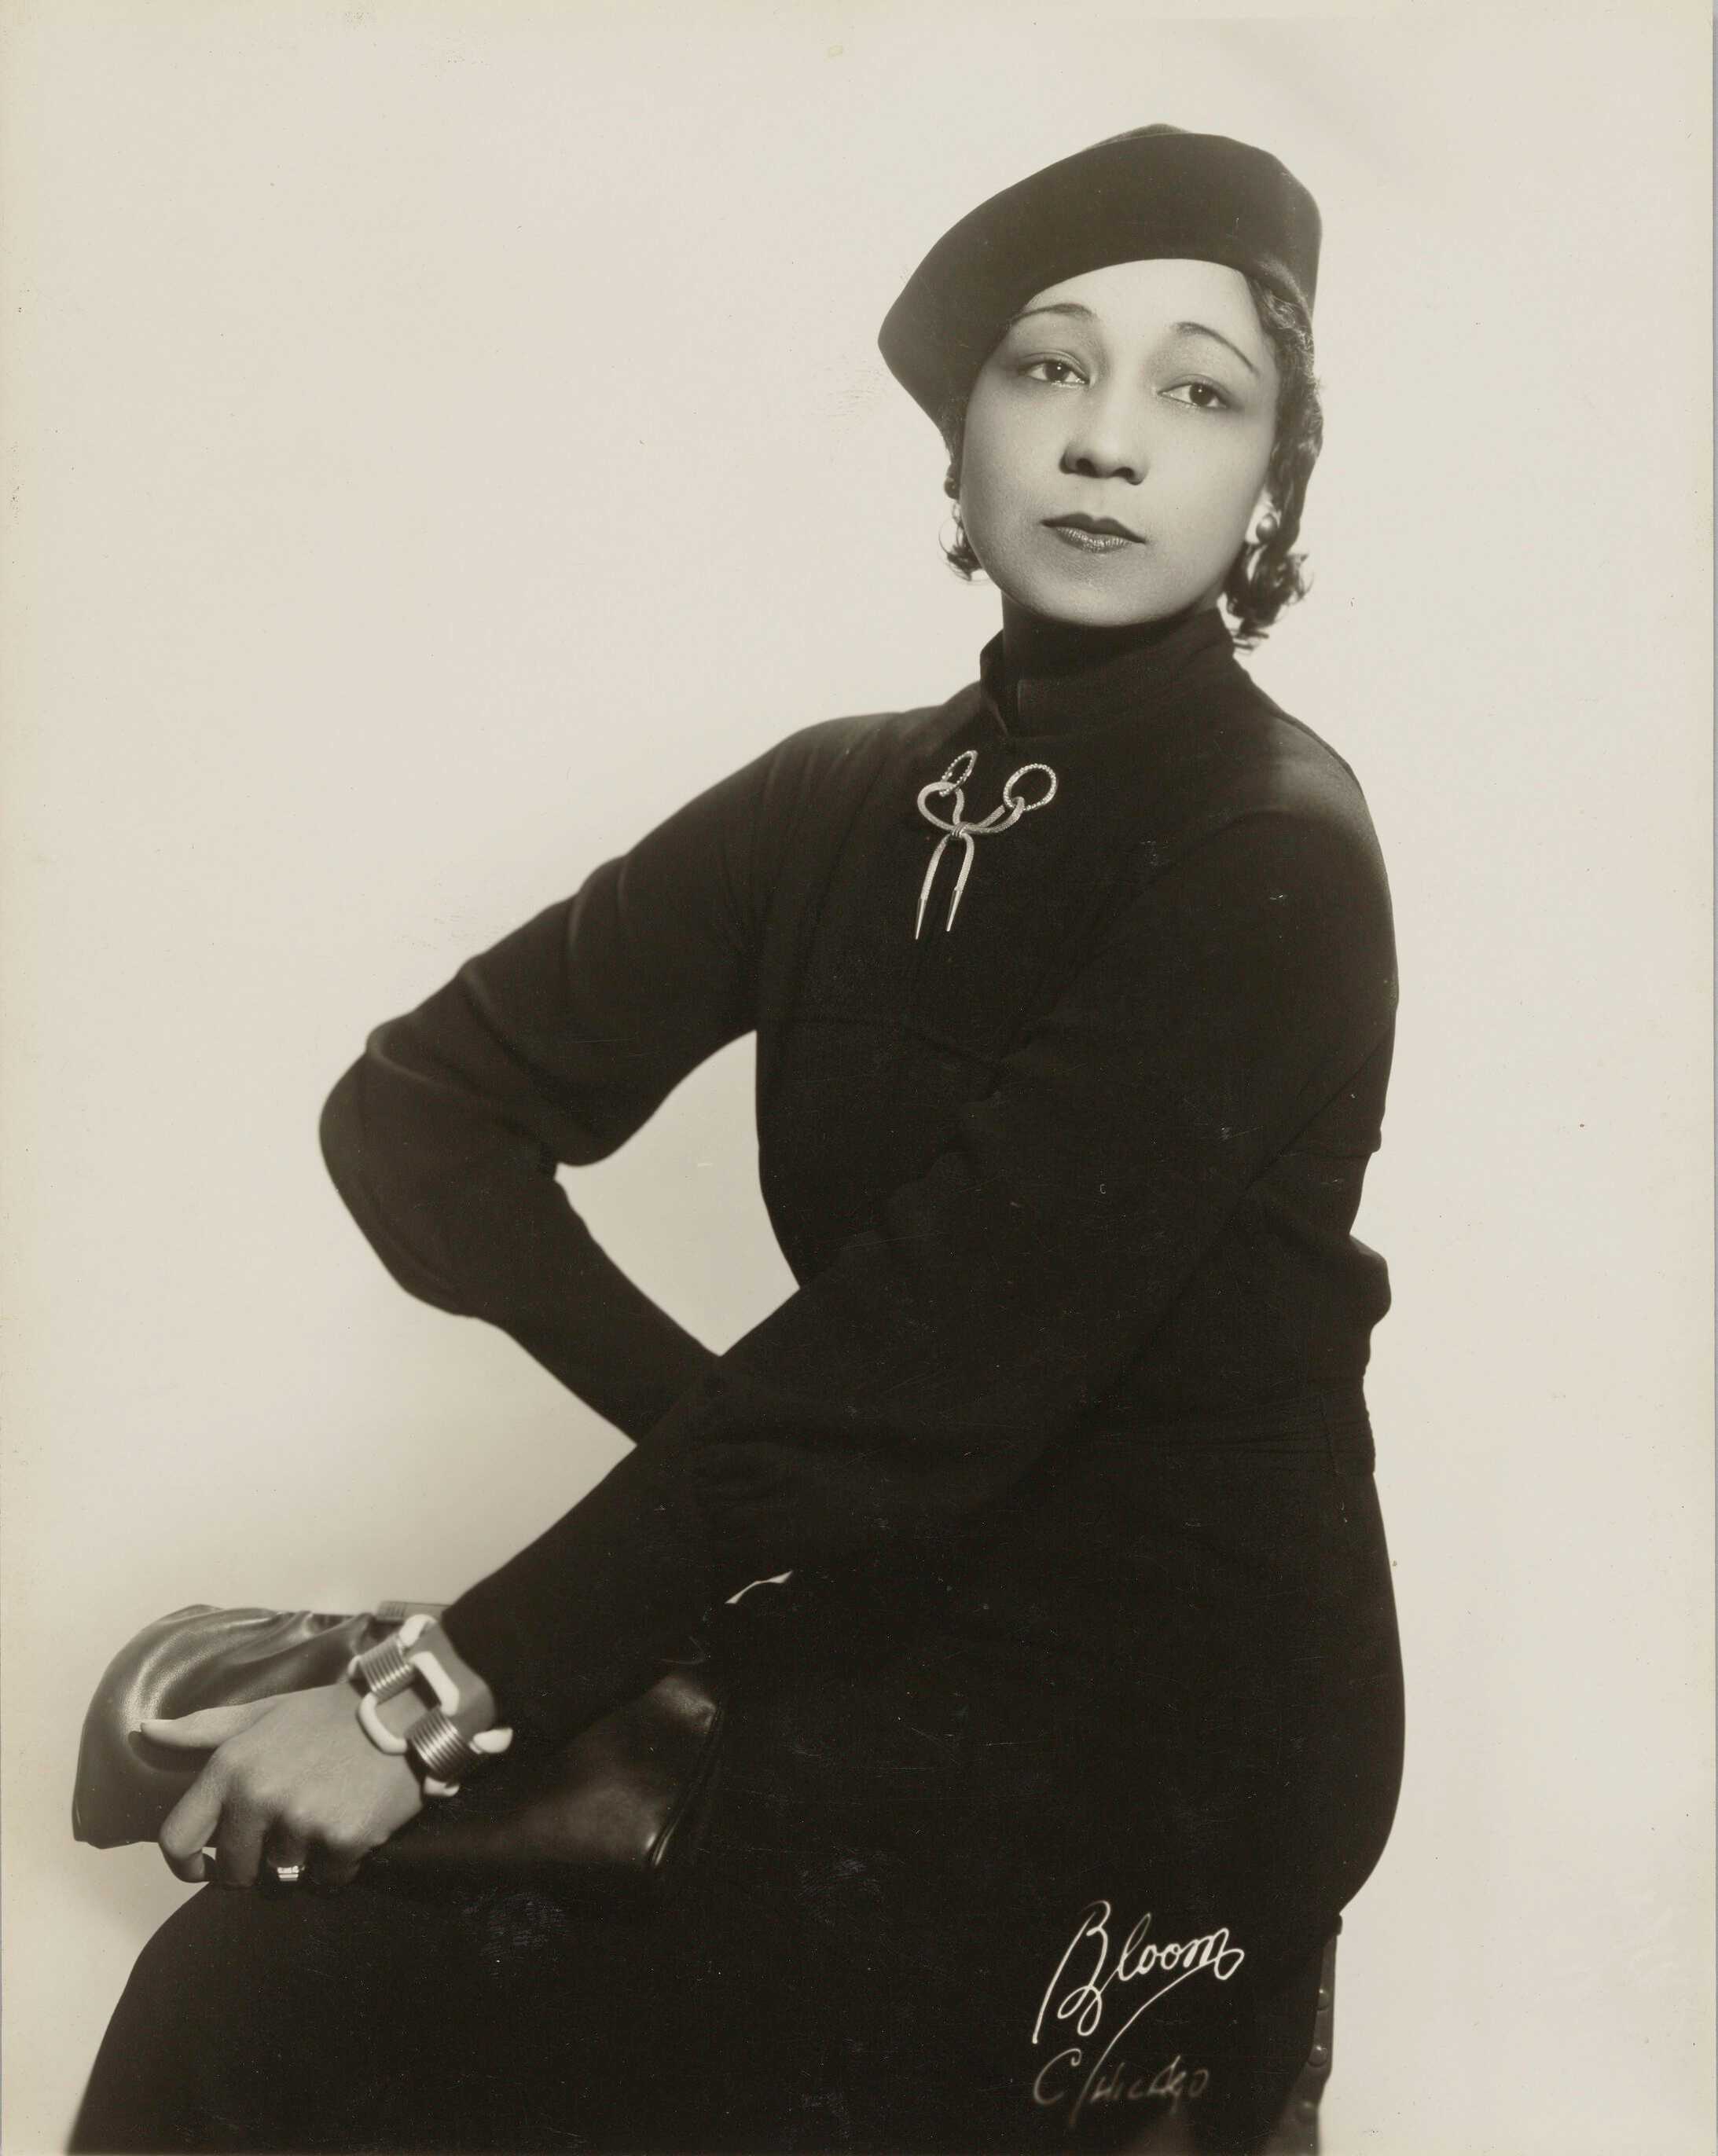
1221,402
1068,371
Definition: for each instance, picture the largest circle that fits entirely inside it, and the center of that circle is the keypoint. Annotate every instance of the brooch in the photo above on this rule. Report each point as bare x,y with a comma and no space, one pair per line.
954,826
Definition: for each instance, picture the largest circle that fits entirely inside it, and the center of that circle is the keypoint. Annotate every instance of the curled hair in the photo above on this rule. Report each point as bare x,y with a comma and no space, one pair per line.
1266,574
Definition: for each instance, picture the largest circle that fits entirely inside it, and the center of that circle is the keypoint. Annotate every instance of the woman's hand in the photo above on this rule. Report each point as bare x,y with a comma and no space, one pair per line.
293,1780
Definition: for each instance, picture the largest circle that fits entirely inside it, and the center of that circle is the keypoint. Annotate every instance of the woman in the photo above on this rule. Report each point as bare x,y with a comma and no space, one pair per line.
1074,996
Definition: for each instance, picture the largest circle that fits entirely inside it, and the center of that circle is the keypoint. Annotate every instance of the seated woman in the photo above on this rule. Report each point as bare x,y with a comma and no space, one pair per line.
1080,1721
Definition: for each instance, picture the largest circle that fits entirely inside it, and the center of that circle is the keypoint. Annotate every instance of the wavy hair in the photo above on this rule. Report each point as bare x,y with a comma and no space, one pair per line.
1266,574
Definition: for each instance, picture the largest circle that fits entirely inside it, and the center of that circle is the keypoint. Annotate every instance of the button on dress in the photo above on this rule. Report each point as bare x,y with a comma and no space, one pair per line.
1074,1000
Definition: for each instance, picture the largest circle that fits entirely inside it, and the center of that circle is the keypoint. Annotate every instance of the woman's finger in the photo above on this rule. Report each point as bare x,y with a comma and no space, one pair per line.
191,1825
209,1727
238,1841
330,1869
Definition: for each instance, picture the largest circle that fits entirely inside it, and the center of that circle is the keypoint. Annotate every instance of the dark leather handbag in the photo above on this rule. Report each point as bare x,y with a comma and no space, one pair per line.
611,1819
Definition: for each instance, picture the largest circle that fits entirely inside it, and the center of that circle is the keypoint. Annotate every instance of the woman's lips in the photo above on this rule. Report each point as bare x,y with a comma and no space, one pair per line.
1091,542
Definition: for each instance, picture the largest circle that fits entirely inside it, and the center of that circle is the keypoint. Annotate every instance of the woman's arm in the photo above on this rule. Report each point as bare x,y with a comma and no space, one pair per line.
924,1371
555,1046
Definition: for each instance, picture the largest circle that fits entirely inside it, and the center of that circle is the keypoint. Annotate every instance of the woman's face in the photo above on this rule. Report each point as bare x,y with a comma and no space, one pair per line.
1144,393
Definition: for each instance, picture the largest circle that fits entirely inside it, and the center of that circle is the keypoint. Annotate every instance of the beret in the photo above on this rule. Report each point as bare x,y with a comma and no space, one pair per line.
1153,192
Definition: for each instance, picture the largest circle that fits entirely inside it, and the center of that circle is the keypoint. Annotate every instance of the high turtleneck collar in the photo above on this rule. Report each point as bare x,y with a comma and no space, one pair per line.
1053,677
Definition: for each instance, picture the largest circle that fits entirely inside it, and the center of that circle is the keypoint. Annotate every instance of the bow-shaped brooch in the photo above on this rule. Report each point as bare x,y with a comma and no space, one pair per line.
1003,818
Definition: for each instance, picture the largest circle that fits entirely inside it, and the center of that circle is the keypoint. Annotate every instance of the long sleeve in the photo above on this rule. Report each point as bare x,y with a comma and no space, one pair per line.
555,1046
996,1295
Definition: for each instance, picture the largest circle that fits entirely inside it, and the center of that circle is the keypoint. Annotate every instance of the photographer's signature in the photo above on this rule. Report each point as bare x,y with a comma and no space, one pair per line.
1078,1992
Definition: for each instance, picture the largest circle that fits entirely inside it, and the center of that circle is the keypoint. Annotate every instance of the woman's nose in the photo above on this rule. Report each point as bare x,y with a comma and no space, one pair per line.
1105,443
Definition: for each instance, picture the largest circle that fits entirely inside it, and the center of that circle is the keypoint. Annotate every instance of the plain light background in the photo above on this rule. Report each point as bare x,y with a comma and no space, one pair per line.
440,439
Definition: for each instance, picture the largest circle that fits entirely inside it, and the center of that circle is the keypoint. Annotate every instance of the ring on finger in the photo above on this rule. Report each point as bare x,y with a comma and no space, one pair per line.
284,1866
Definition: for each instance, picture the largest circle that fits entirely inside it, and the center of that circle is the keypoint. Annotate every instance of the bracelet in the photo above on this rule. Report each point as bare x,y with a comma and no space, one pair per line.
438,1749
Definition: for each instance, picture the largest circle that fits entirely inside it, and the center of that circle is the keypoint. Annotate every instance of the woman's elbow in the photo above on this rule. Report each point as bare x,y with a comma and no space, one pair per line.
340,1131
358,1170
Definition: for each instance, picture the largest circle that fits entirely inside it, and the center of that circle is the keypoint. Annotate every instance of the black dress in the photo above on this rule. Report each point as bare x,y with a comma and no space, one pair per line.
1088,1667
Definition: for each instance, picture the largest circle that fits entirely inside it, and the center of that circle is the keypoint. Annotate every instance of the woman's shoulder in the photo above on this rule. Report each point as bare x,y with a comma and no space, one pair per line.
832,761
1264,808
874,736
1280,765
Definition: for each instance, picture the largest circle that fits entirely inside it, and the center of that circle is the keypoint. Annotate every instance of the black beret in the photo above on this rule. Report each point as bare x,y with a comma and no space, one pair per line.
1154,191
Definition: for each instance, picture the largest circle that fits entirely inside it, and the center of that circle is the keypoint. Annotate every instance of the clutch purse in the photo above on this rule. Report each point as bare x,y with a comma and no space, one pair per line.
611,1819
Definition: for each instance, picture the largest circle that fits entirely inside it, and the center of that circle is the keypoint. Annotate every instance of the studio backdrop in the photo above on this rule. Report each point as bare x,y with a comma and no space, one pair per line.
380,382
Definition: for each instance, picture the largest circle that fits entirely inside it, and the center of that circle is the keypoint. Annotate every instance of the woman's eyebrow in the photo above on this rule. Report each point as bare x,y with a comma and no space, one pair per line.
1074,307
1204,329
